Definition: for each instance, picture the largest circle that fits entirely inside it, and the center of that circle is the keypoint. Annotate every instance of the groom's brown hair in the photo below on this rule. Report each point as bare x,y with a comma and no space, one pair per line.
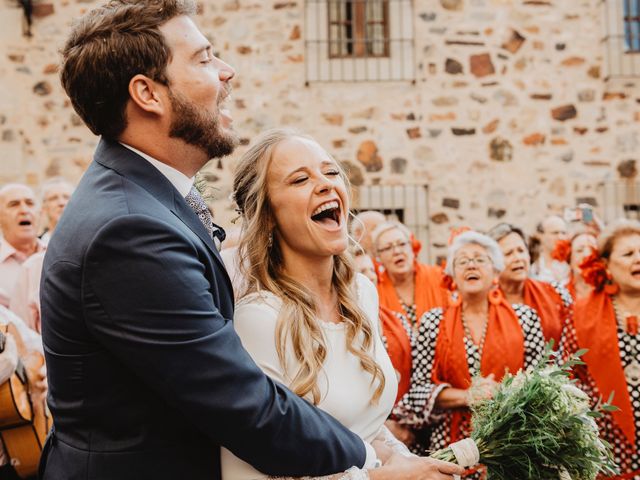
106,48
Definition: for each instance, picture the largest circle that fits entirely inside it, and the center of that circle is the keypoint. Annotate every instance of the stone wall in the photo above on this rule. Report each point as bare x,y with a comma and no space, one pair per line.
510,114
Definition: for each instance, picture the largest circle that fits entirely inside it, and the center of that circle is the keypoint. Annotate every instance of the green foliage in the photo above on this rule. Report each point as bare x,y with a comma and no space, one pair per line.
539,424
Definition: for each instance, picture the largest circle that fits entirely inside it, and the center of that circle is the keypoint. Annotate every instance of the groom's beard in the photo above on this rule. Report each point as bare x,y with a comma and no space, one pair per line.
198,127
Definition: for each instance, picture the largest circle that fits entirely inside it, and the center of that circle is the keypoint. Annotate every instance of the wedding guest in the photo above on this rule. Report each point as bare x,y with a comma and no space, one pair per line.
18,214
405,286
480,334
56,193
606,323
551,301
306,317
364,265
363,225
545,268
583,244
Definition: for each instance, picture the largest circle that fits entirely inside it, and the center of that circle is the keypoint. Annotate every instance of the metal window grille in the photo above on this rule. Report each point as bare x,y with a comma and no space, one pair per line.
631,25
359,40
408,204
621,200
358,28
622,38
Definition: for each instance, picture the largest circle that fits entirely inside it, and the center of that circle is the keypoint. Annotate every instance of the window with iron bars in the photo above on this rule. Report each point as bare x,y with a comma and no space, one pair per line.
358,28
622,38
632,25
359,40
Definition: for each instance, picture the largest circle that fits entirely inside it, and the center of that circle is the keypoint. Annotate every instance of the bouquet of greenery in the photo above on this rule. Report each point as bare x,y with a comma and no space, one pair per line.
537,426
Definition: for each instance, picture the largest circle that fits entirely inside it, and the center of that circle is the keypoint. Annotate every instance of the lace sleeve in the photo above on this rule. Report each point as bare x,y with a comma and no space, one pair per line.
354,473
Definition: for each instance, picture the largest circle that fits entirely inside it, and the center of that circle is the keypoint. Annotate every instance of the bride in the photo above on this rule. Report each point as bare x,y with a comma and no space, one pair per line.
305,317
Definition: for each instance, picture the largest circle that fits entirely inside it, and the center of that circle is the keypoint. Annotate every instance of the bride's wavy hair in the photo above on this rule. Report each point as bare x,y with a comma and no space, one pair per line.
262,266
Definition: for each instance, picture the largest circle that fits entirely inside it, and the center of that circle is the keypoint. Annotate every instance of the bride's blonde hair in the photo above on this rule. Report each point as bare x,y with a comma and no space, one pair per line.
262,267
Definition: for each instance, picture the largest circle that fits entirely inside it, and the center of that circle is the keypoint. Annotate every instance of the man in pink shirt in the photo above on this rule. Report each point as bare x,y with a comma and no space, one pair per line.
18,213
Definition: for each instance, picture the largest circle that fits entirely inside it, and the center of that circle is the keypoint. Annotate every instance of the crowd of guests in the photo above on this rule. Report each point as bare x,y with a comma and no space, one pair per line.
27,221
495,303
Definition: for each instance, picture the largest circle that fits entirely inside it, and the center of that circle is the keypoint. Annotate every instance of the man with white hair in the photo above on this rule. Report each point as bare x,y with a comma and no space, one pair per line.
363,226
18,215
56,193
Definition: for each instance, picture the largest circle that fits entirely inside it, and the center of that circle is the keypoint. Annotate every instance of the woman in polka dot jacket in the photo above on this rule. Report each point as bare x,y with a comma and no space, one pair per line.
478,334
606,323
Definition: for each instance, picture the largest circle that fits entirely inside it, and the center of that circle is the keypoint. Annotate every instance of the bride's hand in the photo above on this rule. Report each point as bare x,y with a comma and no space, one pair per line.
400,467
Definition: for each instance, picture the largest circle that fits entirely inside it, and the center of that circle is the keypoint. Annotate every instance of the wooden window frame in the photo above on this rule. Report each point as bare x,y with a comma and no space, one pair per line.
359,24
631,38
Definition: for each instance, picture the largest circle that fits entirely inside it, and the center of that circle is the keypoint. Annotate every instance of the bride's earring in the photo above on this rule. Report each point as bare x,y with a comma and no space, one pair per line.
270,241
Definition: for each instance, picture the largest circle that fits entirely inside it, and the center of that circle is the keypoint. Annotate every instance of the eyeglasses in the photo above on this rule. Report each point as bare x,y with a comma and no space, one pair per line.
479,261
391,247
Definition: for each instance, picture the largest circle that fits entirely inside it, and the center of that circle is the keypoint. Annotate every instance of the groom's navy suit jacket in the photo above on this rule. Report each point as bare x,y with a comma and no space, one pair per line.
146,374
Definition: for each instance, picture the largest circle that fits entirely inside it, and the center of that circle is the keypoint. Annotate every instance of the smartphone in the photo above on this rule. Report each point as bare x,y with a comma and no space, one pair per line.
3,341
587,214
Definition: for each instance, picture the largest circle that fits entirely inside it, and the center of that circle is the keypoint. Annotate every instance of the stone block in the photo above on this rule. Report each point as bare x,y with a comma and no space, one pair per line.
493,212
414,132
295,33
445,101
627,169
613,96
42,88
333,118
491,126
587,95
368,156
463,131
573,61
514,42
354,173
594,71
453,66
534,139
281,5
564,113
440,218
453,5
398,165
358,129
480,65
451,203
501,150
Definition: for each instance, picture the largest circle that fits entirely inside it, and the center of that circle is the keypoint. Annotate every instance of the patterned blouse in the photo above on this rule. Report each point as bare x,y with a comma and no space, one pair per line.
417,408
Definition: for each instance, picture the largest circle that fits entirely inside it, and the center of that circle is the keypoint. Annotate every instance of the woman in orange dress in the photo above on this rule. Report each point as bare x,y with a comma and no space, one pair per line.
606,323
479,334
405,286
583,244
551,301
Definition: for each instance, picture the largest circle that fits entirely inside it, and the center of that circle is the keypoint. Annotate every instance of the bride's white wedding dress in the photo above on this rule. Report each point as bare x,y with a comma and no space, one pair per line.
346,389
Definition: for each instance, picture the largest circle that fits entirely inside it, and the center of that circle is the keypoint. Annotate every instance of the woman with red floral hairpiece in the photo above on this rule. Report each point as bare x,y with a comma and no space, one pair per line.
478,334
606,323
551,301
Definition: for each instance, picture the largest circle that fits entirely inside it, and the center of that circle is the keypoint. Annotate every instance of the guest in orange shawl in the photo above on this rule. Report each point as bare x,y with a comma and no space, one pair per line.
583,244
405,286
478,334
551,301
606,323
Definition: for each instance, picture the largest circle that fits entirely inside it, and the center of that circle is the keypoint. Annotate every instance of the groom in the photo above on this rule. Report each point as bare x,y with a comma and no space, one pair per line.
146,374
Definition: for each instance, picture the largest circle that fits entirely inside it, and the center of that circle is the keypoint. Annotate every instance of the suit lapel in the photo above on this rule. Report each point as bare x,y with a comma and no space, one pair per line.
135,168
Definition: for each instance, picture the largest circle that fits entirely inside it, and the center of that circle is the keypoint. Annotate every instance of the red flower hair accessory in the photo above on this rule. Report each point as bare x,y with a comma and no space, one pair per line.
594,272
562,251
454,232
447,283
